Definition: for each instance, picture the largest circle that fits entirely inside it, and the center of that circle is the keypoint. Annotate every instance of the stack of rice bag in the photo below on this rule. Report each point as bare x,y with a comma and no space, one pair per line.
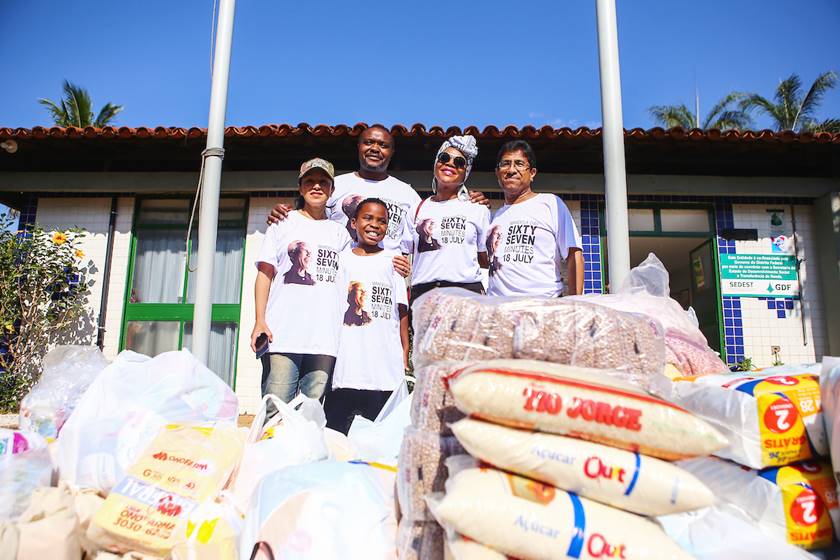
567,461
773,474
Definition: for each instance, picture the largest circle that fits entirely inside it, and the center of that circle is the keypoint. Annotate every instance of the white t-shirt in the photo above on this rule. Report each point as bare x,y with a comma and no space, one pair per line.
525,245
401,199
303,305
370,355
447,238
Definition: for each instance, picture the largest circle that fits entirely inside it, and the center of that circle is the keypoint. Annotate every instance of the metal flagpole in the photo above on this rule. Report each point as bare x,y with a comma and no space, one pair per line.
213,155
618,236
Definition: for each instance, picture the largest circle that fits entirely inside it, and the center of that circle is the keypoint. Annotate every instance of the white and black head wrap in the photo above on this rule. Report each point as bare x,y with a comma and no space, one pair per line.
466,145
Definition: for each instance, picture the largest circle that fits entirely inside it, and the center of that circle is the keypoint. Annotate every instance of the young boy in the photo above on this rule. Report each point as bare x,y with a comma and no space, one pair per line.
373,347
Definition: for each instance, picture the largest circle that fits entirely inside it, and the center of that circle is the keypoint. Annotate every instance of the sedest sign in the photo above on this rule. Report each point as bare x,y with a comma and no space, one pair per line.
770,275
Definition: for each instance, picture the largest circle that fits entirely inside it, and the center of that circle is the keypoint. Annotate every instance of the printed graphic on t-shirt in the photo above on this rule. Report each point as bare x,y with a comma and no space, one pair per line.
395,215
326,266
348,206
494,237
519,241
299,254
425,233
364,306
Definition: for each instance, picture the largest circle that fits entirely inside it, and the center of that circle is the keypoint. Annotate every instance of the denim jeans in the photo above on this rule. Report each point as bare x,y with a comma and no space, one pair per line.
284,374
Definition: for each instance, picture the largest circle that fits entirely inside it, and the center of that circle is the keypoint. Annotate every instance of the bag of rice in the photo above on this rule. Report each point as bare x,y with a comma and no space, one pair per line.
455,324
420,540
433,408
830,393
531,520
615,477
185,465
771,417
582,403
795,502
422,470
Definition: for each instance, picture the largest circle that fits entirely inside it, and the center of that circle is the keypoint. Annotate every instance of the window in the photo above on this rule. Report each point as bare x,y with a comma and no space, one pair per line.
161,288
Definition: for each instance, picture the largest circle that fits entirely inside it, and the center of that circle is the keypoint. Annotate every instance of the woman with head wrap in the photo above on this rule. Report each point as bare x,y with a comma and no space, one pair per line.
450,237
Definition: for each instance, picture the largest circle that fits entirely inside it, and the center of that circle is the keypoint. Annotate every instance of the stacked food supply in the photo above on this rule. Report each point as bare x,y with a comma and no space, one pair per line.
570,456
775,475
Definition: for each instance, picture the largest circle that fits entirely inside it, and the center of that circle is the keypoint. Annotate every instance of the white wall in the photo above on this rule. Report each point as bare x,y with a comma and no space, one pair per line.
93,214
801,333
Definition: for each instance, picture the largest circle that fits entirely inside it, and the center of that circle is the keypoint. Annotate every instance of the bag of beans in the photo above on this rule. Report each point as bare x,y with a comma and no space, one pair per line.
582,403
420,540
422,470
531,520
432,407
615,477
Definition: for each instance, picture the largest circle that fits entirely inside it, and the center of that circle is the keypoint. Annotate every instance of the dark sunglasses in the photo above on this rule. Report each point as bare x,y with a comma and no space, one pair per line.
458,161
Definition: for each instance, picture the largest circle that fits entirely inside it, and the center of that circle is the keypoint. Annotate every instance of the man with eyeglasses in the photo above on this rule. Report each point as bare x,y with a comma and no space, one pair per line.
376,147
532,233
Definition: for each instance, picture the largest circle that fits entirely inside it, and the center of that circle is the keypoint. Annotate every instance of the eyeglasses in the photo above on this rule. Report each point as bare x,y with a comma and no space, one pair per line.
458,161
518,164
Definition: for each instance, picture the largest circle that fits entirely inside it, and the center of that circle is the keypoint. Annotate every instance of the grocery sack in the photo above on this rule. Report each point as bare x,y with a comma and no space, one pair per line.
380,439
67,373
771,417
184,466
433,408
126,406
49,528
25,465
459,547
623,479
291,437
583,403
722,532
830,393
456,324
420,540
531,520
797,503
211,533
422,470
321,510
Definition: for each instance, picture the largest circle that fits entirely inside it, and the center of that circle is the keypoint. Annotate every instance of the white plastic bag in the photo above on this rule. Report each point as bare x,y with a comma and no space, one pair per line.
322,510
68,371
125,407
380,439
24,466
293,436
830,395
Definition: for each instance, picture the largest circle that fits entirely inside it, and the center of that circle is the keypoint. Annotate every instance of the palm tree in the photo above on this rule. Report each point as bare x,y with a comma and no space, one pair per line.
792,111
75,109
723,116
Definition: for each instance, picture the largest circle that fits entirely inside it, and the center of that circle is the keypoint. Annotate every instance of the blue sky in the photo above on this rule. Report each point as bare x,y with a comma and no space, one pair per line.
404,62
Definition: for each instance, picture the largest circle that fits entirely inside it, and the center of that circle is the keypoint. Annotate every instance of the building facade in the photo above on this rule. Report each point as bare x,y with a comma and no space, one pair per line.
748,224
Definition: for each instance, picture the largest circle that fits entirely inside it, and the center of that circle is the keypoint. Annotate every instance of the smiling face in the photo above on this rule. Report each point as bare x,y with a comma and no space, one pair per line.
515,174
371,224
448,176
376,146
315,188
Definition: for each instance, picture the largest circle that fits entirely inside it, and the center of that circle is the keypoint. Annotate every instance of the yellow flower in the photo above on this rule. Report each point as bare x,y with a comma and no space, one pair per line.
59,238
80,254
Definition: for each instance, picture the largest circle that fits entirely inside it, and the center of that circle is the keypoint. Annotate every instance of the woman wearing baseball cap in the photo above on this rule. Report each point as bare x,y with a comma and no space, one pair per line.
295,293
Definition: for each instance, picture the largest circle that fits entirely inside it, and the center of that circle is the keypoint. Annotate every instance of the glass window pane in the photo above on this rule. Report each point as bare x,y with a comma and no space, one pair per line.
640,219
678,219
231,209
227,266
158,267
152,337
223,337
164,211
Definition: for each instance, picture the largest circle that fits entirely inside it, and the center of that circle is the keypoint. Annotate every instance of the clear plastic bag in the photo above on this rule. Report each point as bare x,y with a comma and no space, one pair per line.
68,371
455,324
25,465
433,408
422,470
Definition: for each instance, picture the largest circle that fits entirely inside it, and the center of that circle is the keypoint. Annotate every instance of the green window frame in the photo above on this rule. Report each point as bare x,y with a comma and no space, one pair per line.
182,312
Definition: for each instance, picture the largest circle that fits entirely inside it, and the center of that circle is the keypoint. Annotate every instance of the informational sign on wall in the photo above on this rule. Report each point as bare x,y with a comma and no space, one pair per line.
759,276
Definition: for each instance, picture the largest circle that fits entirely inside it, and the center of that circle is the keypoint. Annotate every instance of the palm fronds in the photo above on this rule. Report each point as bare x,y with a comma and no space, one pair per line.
76,108
670,116
791,110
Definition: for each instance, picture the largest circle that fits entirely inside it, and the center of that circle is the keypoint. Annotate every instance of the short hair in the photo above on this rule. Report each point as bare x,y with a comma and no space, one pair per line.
515,146
296,248
381,127
371,200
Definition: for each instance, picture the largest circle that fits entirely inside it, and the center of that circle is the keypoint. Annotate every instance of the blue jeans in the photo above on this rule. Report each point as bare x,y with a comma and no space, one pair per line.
284,374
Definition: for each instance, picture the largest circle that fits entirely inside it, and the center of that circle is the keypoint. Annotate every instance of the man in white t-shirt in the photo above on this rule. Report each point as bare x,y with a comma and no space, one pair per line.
376,147
531,235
